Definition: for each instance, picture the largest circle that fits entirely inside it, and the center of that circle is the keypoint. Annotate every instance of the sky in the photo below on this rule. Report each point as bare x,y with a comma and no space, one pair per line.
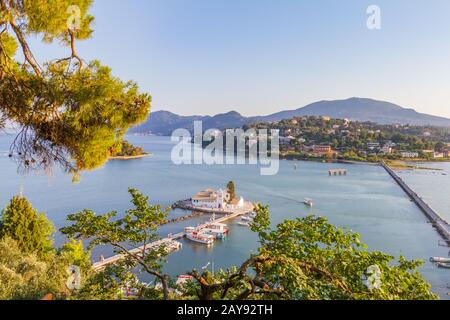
263,56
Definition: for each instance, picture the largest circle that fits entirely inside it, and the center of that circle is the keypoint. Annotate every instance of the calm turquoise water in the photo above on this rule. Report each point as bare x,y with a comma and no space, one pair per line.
366,201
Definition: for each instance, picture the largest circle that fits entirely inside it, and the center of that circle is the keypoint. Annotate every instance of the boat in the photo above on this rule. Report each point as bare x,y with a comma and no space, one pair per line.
201,237
219,230
308,202
189,229
246,218
243,224
184,279
443,265
440,259
252,215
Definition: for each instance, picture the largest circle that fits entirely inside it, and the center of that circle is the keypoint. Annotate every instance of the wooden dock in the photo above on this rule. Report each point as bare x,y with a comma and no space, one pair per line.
171,242
439,223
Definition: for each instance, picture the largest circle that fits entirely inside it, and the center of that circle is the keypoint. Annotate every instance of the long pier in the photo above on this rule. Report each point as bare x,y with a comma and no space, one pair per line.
171,242
439,223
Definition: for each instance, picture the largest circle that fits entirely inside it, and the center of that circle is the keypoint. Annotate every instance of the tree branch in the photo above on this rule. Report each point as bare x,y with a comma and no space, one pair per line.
26,49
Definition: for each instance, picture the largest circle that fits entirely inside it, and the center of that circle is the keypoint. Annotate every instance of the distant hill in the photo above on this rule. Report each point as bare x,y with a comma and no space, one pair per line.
356,109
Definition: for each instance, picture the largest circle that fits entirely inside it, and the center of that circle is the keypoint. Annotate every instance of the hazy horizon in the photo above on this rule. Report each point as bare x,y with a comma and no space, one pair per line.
261,57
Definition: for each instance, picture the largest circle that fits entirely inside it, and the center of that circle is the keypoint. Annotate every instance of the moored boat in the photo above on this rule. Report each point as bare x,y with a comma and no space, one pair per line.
219,230
201,237
443,265
440,259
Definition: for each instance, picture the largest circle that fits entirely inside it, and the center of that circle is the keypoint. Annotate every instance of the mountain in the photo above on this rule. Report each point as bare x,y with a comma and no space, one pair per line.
356,109
164,123
361,109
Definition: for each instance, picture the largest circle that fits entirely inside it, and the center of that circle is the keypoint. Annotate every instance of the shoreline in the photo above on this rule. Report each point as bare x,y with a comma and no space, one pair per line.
131,157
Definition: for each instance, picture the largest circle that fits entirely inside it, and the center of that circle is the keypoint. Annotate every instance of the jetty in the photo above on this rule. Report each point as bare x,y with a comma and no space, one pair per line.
170,243
438,222
337,172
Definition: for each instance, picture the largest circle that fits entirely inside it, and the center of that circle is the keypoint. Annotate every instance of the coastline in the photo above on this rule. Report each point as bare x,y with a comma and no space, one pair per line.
131,157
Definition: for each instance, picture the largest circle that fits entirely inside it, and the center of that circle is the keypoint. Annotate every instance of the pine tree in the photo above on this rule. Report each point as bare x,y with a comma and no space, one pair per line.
70,112
31,230
231,190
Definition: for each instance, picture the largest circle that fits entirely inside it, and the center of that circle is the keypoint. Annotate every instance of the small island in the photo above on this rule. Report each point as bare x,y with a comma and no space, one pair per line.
127,151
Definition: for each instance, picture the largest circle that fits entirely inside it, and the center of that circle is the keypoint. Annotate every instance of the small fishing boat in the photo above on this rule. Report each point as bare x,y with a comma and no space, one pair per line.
201,237
443,265
308,202
243,224
440,259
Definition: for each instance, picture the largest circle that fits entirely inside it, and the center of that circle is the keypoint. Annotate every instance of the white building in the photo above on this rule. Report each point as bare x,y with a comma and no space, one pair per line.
386,149
216,199
410,154
210,199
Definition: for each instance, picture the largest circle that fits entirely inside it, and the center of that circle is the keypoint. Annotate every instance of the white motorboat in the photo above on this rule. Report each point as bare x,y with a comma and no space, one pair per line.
243,224
443,265
308,202
201,237
246,218
440,259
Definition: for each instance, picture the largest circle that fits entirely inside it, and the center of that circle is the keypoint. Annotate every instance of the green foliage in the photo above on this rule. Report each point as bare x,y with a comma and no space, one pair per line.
137,228
126,149
309,259
73,251
24,275
70,112
32,230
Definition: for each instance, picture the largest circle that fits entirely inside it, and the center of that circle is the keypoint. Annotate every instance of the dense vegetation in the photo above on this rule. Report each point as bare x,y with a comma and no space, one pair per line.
351,139
30,267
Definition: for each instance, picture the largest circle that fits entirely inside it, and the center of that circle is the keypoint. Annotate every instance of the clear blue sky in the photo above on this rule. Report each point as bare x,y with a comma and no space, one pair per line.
262,56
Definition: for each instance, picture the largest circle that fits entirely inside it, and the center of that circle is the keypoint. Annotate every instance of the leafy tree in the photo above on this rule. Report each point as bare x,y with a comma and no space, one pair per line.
138,228
440,146
231,190
32,230
23,275
309,259
68,111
